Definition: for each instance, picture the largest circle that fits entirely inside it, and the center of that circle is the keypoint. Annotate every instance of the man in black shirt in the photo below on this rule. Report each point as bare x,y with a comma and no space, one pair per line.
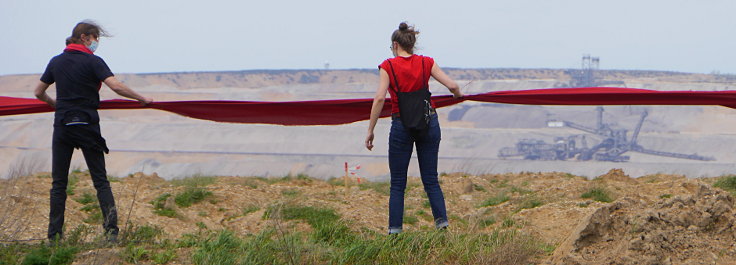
79,75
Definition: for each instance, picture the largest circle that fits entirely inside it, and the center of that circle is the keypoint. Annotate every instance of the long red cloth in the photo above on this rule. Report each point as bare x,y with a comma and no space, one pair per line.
342,111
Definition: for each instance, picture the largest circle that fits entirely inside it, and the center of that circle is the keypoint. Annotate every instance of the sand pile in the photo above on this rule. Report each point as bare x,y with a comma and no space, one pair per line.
686,229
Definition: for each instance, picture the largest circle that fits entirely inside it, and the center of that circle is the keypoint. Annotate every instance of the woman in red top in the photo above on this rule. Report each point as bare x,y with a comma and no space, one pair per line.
403,76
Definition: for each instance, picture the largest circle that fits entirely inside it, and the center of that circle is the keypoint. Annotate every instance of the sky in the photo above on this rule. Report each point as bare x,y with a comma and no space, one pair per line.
152,36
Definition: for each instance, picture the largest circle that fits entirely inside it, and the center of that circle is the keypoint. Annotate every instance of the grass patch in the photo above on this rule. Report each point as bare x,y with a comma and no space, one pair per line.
160,208
273,247
86,198
113,178
72,182
597,194
727,183
43,255
12,253
290,192
665,196
94,217
508,222
410,219
530,202
250,209
314,216
191,196
326,222
330,242
164,257
486,222
425,215
194,181
383,188
495,200
287,178
143,234
520,191
135,254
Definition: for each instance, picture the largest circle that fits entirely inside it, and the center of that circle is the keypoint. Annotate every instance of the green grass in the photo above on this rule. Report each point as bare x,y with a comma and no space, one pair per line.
383,188
43,255
520,191
287,178
86,198
194,181
72,182
425,215
331,241
250,209
113,179
135,253
271,246
11,253
191,196
314,216
665,196
727,183
94,217
410,219
485,222
143,234
159,206
530,202
597,194
495,200
164,256
91,207
290,192
508,222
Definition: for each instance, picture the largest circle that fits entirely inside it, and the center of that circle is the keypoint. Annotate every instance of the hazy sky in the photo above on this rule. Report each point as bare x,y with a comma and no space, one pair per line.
213,35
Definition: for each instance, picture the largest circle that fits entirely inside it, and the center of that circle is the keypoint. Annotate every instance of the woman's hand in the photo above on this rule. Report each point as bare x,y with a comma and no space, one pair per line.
369,141
145,101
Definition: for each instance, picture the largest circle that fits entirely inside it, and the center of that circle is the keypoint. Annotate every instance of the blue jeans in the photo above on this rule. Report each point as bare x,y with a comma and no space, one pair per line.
400,148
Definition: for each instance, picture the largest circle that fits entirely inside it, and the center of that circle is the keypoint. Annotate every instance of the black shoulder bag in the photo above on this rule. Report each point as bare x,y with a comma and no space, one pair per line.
415,107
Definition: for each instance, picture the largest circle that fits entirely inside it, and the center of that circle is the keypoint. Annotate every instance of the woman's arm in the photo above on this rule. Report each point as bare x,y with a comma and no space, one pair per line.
445,80
123,90
41,95
377,107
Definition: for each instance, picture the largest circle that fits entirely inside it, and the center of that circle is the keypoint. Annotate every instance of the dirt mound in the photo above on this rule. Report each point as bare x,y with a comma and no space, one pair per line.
686,229
616,175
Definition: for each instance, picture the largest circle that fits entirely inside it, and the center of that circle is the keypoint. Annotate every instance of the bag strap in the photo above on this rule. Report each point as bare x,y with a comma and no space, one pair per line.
427,79
396,81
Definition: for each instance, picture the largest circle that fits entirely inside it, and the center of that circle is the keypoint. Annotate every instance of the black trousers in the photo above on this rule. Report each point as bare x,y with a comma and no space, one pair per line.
87,138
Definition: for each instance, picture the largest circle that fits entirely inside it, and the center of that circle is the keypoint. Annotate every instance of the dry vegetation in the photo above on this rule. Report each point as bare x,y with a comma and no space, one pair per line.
520,218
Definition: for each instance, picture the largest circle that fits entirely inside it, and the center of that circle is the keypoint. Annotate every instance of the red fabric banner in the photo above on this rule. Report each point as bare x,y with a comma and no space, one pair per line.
342,111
